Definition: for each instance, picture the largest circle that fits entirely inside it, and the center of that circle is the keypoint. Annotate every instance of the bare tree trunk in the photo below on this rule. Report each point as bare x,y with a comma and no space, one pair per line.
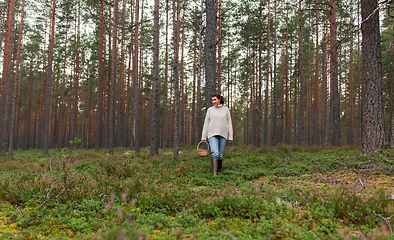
198,132
11,141
274,100
155,85
114,56
316,114
193,133
392,105
99,116
175,15
210,46
48,88
335,101
121,96
268,77
5,86
219,41
352,137
165,97
373,121
74,124
136,90
301,131
324,122
29,102
261,142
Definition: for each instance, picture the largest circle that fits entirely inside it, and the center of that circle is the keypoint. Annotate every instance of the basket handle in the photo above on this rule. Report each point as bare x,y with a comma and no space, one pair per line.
200,143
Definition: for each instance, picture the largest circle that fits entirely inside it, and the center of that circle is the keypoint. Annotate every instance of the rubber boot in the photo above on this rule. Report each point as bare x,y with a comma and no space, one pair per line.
220,161
215,166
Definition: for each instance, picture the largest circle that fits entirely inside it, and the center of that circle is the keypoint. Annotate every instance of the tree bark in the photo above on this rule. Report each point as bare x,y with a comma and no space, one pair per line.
176,9
5,86
136,91
100,80
154,144
48,88
335,101
373,121
301,130
11,141
114,57
210,53
316,114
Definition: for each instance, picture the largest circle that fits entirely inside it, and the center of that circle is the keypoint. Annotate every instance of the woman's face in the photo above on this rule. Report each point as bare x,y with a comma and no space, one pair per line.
215,101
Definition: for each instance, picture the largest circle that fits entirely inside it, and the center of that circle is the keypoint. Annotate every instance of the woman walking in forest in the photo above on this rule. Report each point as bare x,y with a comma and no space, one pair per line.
217,129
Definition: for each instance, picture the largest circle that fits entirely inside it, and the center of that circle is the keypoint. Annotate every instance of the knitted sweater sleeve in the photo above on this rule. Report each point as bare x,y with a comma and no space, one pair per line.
230,126
206,127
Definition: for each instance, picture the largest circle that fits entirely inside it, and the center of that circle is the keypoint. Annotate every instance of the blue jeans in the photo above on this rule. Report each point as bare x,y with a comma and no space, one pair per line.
217,143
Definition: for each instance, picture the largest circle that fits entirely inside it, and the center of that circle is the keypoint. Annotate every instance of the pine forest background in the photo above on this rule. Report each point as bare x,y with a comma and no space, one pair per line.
138,73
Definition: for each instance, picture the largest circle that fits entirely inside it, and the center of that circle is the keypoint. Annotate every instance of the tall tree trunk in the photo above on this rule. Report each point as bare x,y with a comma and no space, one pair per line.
262,142
176,9
11,141
29,102
316,114
154,144
392,104
335,101
48,88
274,100
114,57
324,122
373,121
164,143
219,41
5,86
182,103
210,46
352,137
74,123
99,117
301,130
121,96
360,81
268,76
136,91
193,133
198,132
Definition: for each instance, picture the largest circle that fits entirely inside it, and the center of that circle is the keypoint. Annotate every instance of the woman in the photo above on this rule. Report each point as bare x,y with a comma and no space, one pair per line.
217,129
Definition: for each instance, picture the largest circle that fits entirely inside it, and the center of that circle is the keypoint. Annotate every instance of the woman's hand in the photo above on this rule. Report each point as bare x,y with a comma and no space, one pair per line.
203,141
230,141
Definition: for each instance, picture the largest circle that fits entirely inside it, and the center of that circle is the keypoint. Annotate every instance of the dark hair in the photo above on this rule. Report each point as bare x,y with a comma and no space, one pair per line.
218,96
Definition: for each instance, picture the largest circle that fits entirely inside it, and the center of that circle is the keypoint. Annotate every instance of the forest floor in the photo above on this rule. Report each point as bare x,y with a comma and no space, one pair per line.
286,192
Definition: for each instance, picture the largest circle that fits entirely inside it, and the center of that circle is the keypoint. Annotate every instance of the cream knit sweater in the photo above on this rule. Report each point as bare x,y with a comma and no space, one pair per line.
218,122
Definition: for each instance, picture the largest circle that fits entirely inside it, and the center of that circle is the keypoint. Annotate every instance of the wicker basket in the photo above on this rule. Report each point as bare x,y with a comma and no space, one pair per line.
203,153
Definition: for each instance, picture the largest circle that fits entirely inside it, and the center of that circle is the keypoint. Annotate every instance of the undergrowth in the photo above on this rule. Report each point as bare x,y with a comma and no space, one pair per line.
286,192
